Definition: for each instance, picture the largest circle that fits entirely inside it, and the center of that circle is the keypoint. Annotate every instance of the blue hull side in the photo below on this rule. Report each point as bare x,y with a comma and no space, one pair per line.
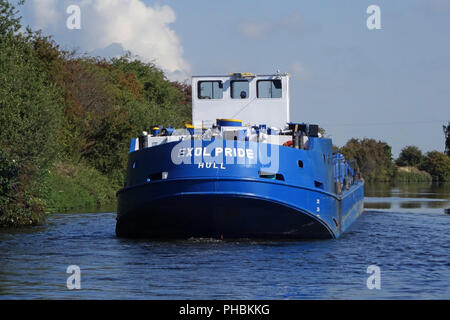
236,202
352,206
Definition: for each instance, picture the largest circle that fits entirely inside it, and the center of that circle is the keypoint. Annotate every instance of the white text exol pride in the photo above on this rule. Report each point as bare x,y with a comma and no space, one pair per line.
227,152
188,152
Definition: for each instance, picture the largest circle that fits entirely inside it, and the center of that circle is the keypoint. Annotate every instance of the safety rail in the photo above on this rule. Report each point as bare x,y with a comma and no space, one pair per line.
346,173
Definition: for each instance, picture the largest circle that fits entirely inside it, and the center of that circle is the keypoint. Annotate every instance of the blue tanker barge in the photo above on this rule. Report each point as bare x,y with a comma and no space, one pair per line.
262,176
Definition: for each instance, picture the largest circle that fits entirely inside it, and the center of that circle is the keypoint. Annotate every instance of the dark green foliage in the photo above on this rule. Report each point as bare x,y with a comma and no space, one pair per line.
18,204
374,158
78,187
9,177
107,103
438,165
9,22
60,113
409,156
30,105
447,138
168,103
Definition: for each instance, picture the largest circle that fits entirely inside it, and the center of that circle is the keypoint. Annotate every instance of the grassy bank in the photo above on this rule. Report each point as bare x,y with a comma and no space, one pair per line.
78,187
411,175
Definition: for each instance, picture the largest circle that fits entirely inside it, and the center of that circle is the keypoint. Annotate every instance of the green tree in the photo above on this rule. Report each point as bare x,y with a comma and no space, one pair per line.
165,101
374,158
410,156
447,138
29,120
9,177
60,111
9,21
438,165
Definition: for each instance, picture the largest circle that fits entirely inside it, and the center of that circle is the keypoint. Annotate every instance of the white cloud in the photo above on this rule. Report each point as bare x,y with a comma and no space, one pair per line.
293,23
299,71
253,30
297,67
46,14
142,29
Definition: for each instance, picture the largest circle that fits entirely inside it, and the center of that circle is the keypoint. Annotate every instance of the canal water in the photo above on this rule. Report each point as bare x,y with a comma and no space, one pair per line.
404,231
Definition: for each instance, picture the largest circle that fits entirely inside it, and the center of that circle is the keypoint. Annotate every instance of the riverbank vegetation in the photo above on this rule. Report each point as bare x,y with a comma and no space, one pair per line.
376,162
66,121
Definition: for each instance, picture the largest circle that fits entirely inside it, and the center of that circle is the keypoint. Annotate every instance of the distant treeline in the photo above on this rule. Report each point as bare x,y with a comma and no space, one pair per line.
376,163
66,122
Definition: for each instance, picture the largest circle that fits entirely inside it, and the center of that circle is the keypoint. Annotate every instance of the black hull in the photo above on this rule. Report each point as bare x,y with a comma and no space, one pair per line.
218,216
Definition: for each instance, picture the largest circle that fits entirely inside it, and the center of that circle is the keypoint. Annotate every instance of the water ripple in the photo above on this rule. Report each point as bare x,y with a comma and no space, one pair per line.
410,246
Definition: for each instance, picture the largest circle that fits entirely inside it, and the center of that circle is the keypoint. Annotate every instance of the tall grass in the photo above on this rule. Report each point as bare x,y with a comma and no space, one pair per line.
412,175
79,188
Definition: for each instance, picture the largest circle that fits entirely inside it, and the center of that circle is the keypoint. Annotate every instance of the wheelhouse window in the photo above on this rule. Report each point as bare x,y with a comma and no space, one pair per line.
239,89
269,89
210,90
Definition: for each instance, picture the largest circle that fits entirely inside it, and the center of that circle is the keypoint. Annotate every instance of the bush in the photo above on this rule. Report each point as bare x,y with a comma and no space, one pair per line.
18,206
411,175
438,165
9,177
77,112
108,102
30,109
409,156
374,158
72,187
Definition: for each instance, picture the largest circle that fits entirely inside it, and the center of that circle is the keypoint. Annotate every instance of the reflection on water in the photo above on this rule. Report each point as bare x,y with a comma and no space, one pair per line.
410,205
424,198
404,230
377,205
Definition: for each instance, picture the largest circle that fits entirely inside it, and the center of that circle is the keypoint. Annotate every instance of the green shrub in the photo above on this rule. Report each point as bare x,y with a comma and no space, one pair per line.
30,112
18,205
374,158
411,175
78,187
9,177
79,112
437,164
410,156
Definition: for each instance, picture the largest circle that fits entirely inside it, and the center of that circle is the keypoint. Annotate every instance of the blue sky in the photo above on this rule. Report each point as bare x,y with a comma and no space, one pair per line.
391,84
